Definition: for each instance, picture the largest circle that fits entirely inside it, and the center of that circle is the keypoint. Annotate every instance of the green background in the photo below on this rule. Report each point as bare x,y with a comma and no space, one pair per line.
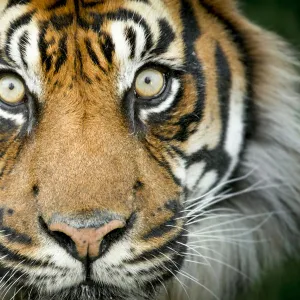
283,17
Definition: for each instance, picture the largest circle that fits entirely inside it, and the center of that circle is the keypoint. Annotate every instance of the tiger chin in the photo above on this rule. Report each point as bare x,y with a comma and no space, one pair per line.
148,150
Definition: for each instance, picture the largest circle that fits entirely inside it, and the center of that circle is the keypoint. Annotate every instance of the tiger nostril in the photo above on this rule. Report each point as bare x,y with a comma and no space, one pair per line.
85,242
61,238
110,238
64,240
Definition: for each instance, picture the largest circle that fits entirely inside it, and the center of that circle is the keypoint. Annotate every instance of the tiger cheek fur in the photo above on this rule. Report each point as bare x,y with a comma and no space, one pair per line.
105,190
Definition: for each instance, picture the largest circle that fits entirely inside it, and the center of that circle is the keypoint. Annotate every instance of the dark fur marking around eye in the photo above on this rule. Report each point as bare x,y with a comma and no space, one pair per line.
167,36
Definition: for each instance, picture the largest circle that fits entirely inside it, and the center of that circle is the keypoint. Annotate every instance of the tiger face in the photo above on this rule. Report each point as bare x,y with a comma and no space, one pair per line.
113,114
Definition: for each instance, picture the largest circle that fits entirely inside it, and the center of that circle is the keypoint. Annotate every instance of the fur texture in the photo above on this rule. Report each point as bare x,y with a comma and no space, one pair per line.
254,226
206,176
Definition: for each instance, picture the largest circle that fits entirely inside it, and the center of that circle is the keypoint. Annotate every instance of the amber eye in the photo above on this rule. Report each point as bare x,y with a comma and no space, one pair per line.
12,89
149,83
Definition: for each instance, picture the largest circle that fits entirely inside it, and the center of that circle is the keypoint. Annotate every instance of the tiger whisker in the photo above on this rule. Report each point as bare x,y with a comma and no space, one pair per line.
182,284
7,289
224,184
2,279
244,218
182,273
222,263
15,293
204,205
158,276
247,232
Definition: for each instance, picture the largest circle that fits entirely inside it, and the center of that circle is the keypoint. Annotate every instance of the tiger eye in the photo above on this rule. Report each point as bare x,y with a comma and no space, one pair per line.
149,83
12,89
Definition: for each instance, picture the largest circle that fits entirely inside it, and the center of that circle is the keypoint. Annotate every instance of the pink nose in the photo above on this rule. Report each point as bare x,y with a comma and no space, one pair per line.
87,240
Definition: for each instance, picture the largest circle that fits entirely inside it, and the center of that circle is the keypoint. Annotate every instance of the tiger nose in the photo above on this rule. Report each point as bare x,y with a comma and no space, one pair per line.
87,241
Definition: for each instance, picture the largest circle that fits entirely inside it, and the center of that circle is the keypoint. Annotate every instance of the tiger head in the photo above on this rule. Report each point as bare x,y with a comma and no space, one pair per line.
113,115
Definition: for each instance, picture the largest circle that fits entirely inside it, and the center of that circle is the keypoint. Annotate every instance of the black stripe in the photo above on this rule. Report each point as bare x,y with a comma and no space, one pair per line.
15,237
24,260
107,47
15,25
57,4
83,75
240,41
224,87
167,36
10,275
161,229
17,2
43,46
92,54
164,164
143,1
130,35
175,244
23,43
91,3
193,66
4,63
60,22
124,15
63,53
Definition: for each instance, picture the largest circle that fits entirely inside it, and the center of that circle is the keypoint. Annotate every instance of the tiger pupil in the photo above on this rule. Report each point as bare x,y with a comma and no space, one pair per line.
147,80
11,86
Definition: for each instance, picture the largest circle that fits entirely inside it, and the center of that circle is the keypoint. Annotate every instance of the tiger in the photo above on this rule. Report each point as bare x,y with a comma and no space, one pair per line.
150,149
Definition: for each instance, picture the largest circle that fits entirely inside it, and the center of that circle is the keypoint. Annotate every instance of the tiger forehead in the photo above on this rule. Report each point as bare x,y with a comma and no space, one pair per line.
104,34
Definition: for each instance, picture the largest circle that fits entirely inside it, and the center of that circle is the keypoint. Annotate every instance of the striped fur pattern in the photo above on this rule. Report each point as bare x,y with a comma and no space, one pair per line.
205,174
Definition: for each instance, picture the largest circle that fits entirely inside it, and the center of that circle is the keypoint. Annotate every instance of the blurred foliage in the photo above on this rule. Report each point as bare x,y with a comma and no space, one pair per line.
281,16
282,283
